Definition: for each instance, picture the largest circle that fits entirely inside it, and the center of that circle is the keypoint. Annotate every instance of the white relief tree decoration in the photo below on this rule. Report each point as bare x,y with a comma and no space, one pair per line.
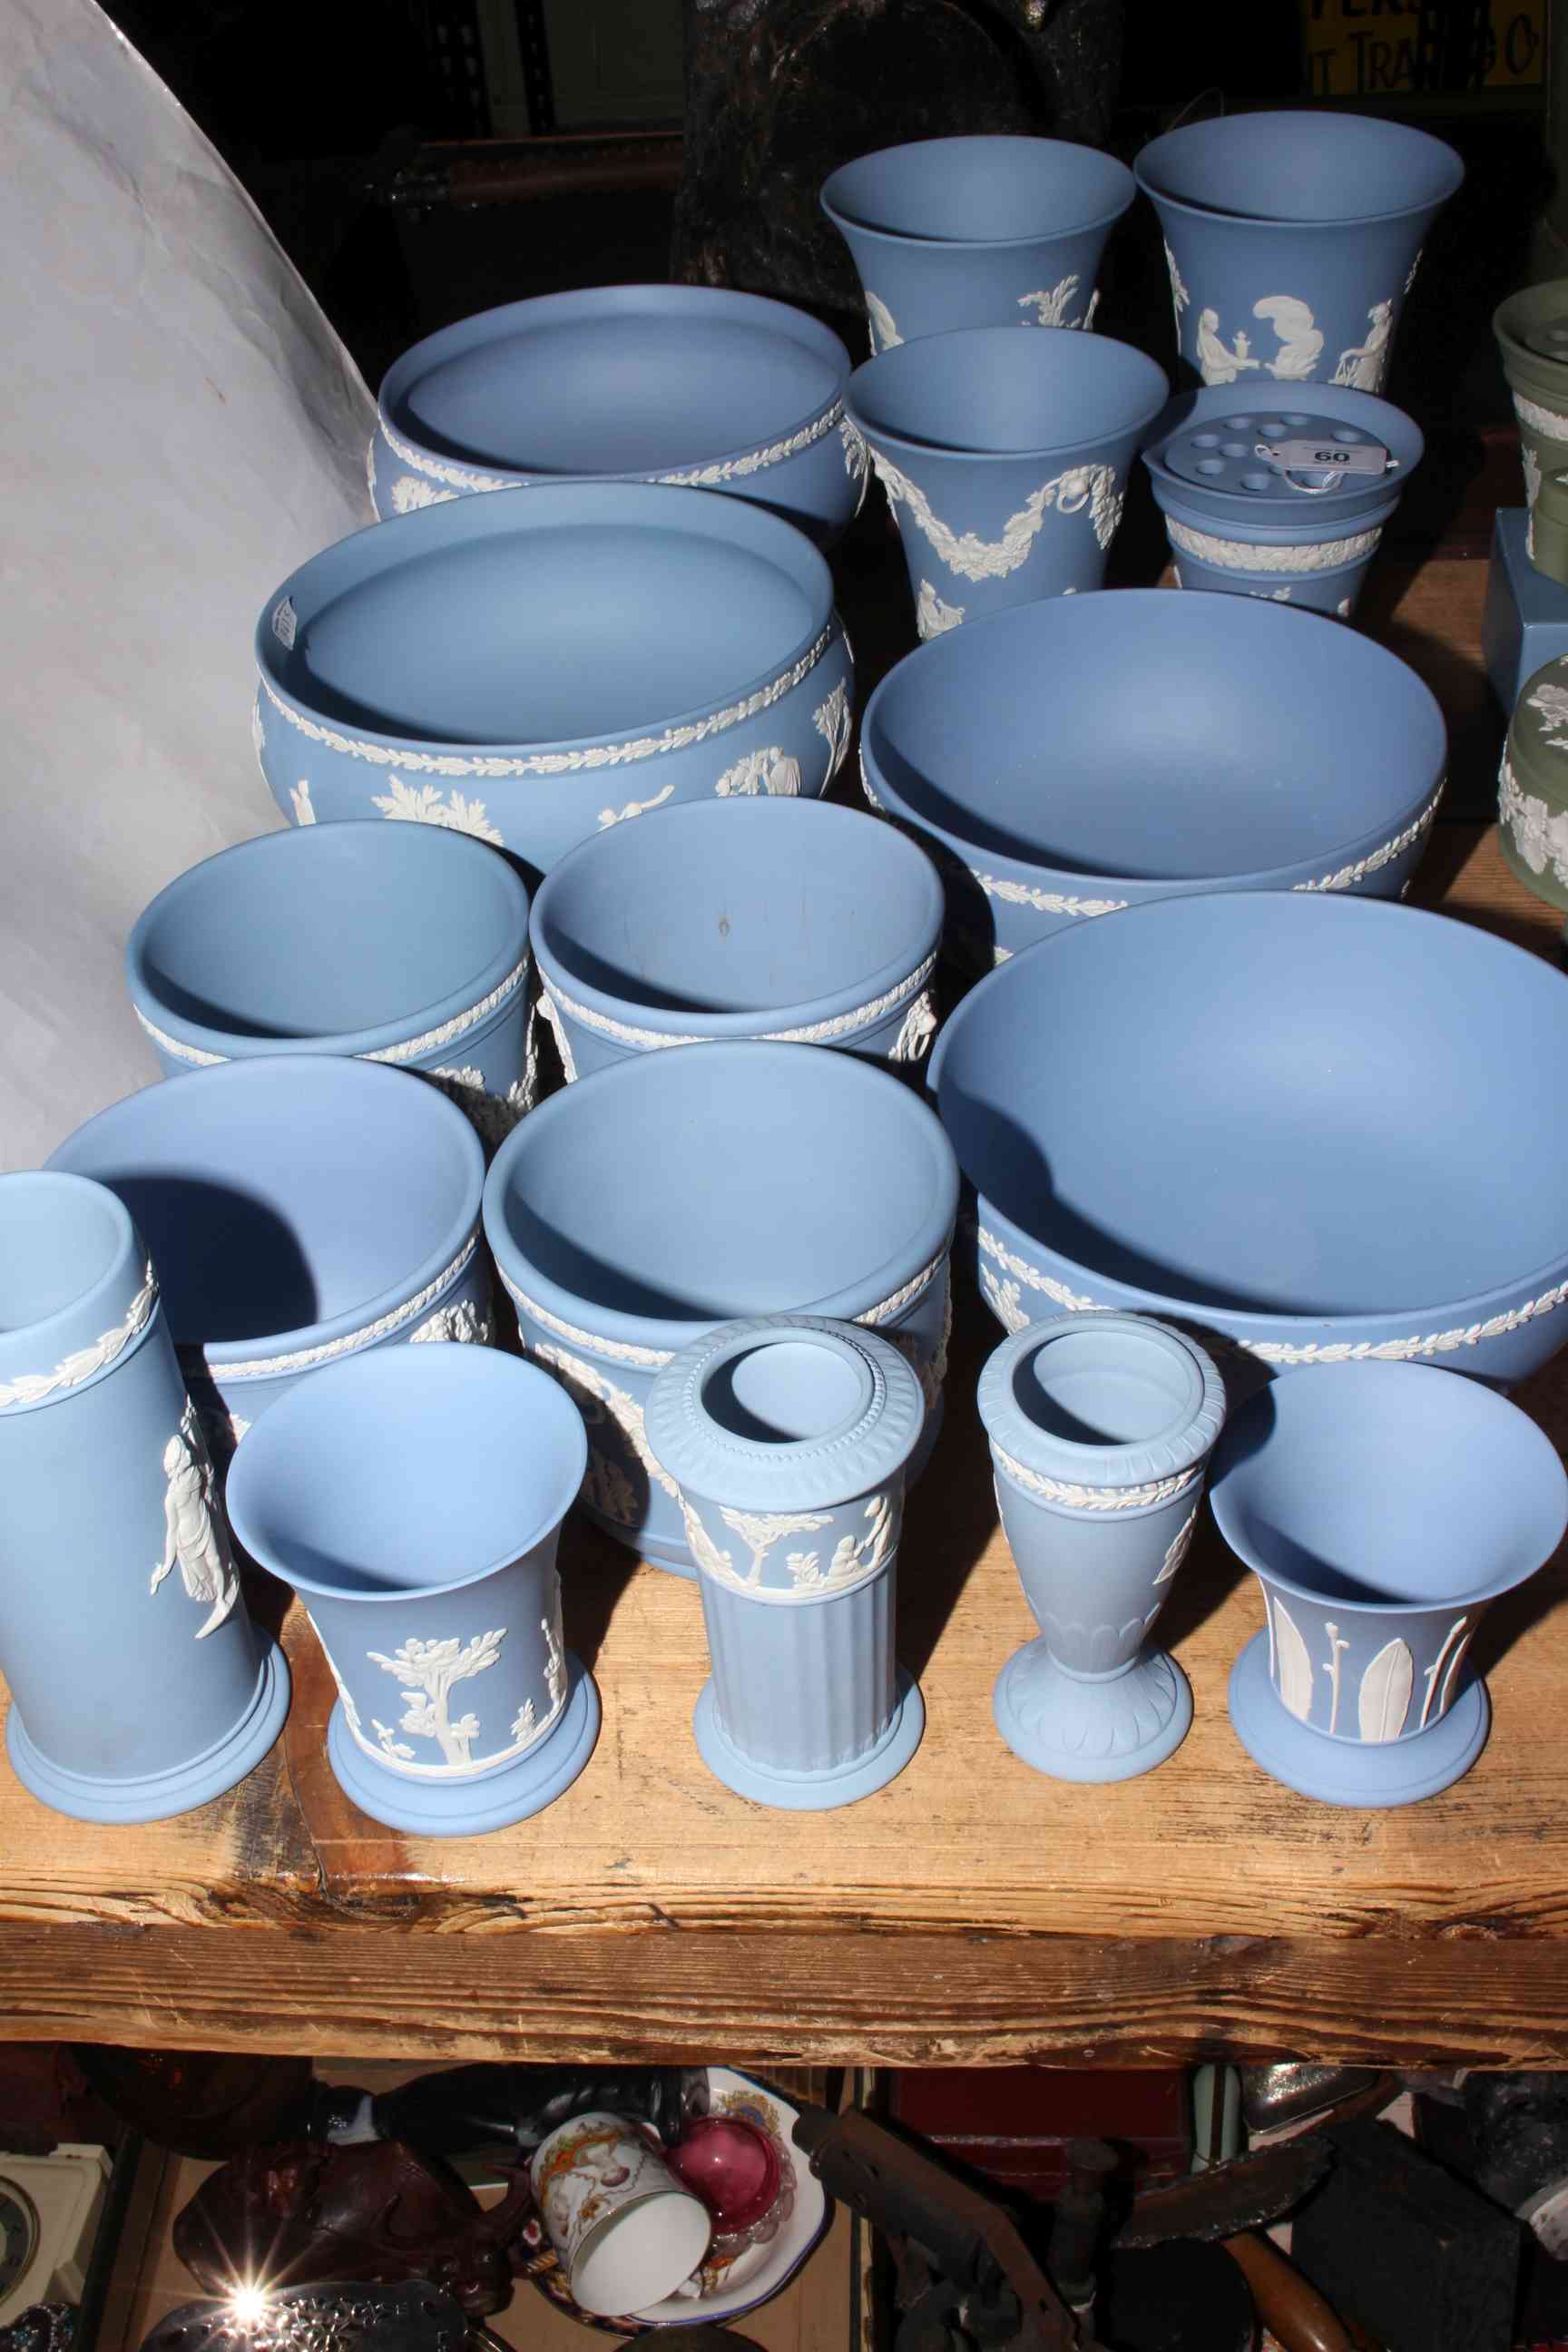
771,771
1337,1647
523,1725
428,1670
934,615
299,796
760,1530
1384,1702
835,723
885,335
1180,298
608,817
194,1536
1050,308
428,804
1300,337
390,1744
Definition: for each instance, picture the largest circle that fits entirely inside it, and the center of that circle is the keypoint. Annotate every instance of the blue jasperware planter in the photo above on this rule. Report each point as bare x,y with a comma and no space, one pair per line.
1292,240
414,1499
1076,757
788,920
634,1212
980,232
1300,535
1004,459
395,943
1310,1127
691,385
1100,1432
1381,1512
788,1438
139,1685
534,671
298,1209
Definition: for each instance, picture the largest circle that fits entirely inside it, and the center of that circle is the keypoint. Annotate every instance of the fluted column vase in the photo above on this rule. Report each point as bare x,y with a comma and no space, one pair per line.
1100,1432
789,1437
139,1686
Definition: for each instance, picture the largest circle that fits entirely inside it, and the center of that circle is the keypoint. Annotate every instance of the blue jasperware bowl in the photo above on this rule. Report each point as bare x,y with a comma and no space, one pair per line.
1314,1127
990,231
533,670
1074,757
694,385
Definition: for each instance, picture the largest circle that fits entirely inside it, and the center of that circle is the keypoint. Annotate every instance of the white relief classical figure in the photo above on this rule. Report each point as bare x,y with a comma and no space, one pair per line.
1532,475
428,804
919,1029
428,1671
885,335
633,808
1301,338
932,616
854,1558
1217,363
299,796
835,723
1051,307
194,1535
771,771
1361,366
760,1530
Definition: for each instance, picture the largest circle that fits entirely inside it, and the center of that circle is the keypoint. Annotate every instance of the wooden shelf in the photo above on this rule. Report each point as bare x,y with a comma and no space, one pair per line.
972,1913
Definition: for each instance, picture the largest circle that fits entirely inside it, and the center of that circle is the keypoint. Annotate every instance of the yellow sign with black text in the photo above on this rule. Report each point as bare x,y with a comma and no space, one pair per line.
1400,49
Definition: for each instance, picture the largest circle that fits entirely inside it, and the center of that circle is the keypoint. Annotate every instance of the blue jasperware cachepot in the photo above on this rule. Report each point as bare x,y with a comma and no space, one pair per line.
1075,757
637,1210
1292,240
1299,534
533,670
992,231
1381,1513
1309,1126
139,1685
788,1437
298,1209
693,385
1005,461
790,920
414,1499
395,943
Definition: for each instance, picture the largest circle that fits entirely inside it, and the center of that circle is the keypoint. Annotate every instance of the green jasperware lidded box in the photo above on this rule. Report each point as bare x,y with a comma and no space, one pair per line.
1533,786
1532,330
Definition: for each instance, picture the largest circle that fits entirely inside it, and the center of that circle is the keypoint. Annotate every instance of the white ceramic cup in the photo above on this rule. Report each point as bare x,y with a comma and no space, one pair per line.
626,2233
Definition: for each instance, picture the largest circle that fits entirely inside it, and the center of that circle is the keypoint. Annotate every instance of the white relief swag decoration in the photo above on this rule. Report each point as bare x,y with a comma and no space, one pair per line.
1044,902
1245,555
549,1011
1004,1301
885,335
82,1363
492,1116
932,616
608,817
409,492
1093,488
462,1323
194,1538
426,804
768,771
601,1401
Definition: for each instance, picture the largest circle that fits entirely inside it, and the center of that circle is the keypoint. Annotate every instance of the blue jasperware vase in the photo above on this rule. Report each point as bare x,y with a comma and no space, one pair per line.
414,1500
1300,535
533,670
139,1685
300,1208
694,386
788,1438
1005,459
1381,1511
393,943
634,1212
794,921
1100,1432
1292,240
979,232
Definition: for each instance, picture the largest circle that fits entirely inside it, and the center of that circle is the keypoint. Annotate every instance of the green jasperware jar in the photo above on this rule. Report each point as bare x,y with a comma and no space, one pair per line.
1547,540
1533,786
1532,330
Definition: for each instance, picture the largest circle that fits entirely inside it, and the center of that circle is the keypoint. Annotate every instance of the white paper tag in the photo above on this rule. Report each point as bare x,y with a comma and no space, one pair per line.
1310,457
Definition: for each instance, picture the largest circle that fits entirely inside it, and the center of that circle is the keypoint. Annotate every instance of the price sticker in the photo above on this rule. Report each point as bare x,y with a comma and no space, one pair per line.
1314,456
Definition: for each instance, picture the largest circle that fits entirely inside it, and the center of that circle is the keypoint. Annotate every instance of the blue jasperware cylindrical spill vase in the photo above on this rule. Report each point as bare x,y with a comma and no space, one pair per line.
991,231
1292,240
399,943
791,921
1250,523
1381,1508
139,1685
414,1500
1100,1432
300,1208
788,1437
1004,459
637,1210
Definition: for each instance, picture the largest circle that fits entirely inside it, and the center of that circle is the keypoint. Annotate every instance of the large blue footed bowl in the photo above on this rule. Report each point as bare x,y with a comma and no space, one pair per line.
693,385
1005,459
298,1209
1315,1127
1381,1513
1299,533
633,1212
532,670
1075,757
402,943
980,232
793,920
1292,240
